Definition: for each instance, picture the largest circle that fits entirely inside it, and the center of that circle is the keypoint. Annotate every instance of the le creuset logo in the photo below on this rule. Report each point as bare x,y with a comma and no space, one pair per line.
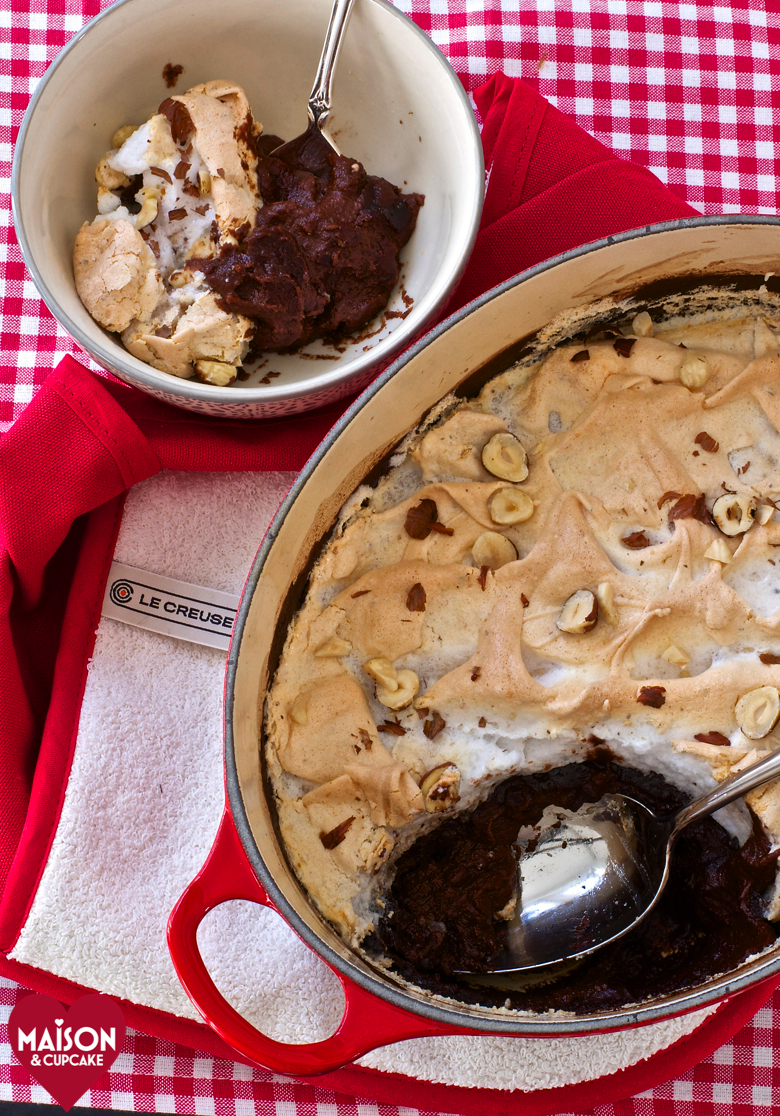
168,606
66,1051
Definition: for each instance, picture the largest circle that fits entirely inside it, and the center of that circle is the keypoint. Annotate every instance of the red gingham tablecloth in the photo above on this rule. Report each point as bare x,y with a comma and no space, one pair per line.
685,89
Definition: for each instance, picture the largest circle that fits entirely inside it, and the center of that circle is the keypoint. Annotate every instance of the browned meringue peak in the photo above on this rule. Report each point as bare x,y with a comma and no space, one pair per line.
653,613
203,332
378,621
391,794
758,549
337,730
731,337
332,876
377,540
629,476
568,388
223,123
502,685
505,690
454,448
758,378
116,274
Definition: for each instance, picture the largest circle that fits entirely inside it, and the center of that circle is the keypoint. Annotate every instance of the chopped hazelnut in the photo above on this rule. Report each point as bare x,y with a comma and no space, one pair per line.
383,672
109,178
440,787
407,685
298,711
416,598
605,595
395,689
333,648
580,613
757,712
676,656
642,325
148,210
508,506
718,551
180,278
716,738
123,134
493,550
503,456
733,513
654,696
706,441
215,372
694,371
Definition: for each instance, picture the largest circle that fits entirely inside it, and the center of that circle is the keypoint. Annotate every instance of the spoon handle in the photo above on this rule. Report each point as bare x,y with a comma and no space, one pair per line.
319,99
735,786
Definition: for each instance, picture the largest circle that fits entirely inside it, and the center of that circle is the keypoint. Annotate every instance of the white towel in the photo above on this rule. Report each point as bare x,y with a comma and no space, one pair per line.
142,806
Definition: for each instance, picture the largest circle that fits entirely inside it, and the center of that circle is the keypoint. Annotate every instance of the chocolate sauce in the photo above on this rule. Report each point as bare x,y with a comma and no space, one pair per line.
451,882
322,258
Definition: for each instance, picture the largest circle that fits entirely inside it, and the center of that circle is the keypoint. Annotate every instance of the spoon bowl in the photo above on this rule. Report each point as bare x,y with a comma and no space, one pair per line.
589,876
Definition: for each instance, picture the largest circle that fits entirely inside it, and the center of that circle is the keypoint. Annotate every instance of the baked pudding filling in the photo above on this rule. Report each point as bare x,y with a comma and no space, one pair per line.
565,586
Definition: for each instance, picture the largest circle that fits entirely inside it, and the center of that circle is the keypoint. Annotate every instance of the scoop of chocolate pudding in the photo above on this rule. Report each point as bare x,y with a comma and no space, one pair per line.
322,258
449,884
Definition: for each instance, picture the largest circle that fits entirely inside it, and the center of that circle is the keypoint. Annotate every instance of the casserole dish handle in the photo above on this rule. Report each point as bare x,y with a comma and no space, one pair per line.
368,1021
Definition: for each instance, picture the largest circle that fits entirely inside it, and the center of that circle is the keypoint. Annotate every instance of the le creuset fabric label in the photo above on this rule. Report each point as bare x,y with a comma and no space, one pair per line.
170,607
66,1051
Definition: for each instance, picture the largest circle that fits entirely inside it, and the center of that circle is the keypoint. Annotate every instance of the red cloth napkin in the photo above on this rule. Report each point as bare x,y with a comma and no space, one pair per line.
83,441
551,187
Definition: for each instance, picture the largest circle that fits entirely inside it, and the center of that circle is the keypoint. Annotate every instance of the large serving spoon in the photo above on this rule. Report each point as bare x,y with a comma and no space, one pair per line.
310,147
596,872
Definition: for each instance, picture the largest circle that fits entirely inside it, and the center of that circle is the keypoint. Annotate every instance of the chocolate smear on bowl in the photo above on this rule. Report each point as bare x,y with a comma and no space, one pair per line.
171,74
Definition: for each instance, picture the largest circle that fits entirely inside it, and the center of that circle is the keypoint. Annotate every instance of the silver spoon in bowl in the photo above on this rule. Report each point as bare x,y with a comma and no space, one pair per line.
593,874
311,147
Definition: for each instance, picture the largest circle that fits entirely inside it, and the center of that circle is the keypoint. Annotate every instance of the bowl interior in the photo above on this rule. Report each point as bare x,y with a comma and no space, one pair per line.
398,107
478,342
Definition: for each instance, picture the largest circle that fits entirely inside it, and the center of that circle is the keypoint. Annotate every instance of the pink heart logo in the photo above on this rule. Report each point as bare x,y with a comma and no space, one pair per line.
66,1051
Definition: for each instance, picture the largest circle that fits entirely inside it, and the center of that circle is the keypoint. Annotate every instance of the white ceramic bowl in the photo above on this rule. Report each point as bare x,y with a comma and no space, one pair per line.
398,107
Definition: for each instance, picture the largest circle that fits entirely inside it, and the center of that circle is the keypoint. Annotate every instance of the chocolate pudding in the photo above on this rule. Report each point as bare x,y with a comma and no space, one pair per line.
322,257
440,910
